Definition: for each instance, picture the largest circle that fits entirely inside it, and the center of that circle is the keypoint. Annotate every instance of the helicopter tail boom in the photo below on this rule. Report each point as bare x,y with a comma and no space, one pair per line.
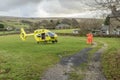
23,34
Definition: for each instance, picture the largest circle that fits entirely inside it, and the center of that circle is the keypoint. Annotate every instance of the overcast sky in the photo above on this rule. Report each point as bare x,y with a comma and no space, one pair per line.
45,8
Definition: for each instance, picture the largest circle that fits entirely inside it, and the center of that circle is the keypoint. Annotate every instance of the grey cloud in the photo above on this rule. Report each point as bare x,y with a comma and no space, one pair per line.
65,6
59,7
54,6
27,8
78,5
11,4
72,4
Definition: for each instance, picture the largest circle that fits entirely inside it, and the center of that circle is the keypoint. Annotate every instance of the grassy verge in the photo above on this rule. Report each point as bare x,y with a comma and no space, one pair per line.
99,45
111,58
78,73
28,60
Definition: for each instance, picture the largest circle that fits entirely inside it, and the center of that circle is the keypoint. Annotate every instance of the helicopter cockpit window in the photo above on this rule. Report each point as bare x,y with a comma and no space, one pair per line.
51,34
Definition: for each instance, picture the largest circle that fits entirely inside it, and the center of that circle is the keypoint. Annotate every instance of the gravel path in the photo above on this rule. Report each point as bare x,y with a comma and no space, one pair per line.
61,70
94,71
76,59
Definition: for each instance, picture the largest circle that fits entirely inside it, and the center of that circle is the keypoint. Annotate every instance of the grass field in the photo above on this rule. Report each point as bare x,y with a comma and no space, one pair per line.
27,60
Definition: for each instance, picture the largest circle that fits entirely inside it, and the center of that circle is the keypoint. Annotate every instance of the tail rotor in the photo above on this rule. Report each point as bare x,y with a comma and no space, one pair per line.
23,34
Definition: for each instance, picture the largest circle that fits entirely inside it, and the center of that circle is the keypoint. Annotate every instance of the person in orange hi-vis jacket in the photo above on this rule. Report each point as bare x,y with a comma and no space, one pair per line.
89,38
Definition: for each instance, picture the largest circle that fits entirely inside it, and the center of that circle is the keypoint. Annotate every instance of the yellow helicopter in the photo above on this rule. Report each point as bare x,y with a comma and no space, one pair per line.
40,35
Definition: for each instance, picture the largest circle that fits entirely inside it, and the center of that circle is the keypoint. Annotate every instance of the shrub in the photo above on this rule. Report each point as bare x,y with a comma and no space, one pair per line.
111,65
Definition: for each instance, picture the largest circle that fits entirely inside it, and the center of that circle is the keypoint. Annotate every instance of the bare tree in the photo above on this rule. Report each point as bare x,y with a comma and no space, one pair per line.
108,5
88,25
113,5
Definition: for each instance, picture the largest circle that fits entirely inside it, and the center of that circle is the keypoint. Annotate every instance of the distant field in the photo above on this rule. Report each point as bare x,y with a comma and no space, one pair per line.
7,32
15,24
27,60
56,31
63,31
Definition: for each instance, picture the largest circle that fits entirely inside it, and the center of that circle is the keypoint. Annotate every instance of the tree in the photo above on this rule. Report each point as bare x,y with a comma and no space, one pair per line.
87,25
113,6
58,22
75,23
2,27
25,22
107,3
107,21
52,24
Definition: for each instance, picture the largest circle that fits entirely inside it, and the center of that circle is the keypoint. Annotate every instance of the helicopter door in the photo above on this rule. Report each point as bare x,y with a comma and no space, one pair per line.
43,35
